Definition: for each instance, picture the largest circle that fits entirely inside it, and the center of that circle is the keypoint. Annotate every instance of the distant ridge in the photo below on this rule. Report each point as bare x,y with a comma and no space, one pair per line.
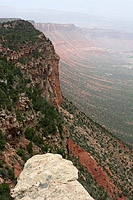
8,19
54,26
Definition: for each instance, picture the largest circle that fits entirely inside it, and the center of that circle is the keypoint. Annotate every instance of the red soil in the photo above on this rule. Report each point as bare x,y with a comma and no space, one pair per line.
96,171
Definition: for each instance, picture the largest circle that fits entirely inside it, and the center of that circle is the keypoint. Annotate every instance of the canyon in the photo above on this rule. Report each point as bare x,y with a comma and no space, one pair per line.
36,119
96,73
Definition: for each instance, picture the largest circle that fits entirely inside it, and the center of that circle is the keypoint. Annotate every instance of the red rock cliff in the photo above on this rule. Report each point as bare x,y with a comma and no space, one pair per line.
41,62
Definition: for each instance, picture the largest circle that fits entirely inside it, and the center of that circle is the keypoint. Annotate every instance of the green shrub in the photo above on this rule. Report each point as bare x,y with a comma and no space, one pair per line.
19,116
5,192
48,126
2,141
38,140
120,195
22,154
60,130
61,152
44,148
29,133
11,173
29,148
1,164
3,173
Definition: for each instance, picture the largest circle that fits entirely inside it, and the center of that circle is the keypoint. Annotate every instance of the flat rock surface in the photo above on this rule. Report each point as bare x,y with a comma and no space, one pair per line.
49,177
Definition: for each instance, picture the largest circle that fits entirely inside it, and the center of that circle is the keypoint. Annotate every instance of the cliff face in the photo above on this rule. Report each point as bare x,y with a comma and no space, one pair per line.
36,58
51,177
29,98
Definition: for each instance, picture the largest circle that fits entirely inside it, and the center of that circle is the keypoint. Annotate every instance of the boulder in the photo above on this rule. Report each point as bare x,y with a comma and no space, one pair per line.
49,177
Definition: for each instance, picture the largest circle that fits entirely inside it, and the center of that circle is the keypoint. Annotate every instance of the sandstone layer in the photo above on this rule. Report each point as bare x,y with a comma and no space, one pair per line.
49,177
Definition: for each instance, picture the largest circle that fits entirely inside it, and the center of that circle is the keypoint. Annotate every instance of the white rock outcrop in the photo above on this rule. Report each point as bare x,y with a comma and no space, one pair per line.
49,177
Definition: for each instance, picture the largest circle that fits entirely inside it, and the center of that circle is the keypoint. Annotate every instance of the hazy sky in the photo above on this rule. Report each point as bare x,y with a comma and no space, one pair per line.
121,9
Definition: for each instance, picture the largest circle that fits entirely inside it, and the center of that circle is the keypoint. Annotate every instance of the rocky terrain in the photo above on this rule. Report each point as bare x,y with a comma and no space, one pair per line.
51,177
29,98
36,119
98,155
96,73
44,54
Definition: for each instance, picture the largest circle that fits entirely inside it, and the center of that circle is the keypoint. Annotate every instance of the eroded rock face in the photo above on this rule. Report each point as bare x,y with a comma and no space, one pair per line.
37,59
49,177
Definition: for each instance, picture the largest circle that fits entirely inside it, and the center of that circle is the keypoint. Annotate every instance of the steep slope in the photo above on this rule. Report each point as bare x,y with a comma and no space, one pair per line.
96,73
30,52
29,81
104,162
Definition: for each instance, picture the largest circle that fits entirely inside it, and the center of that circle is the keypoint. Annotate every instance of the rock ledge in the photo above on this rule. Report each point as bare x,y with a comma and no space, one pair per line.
49,177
